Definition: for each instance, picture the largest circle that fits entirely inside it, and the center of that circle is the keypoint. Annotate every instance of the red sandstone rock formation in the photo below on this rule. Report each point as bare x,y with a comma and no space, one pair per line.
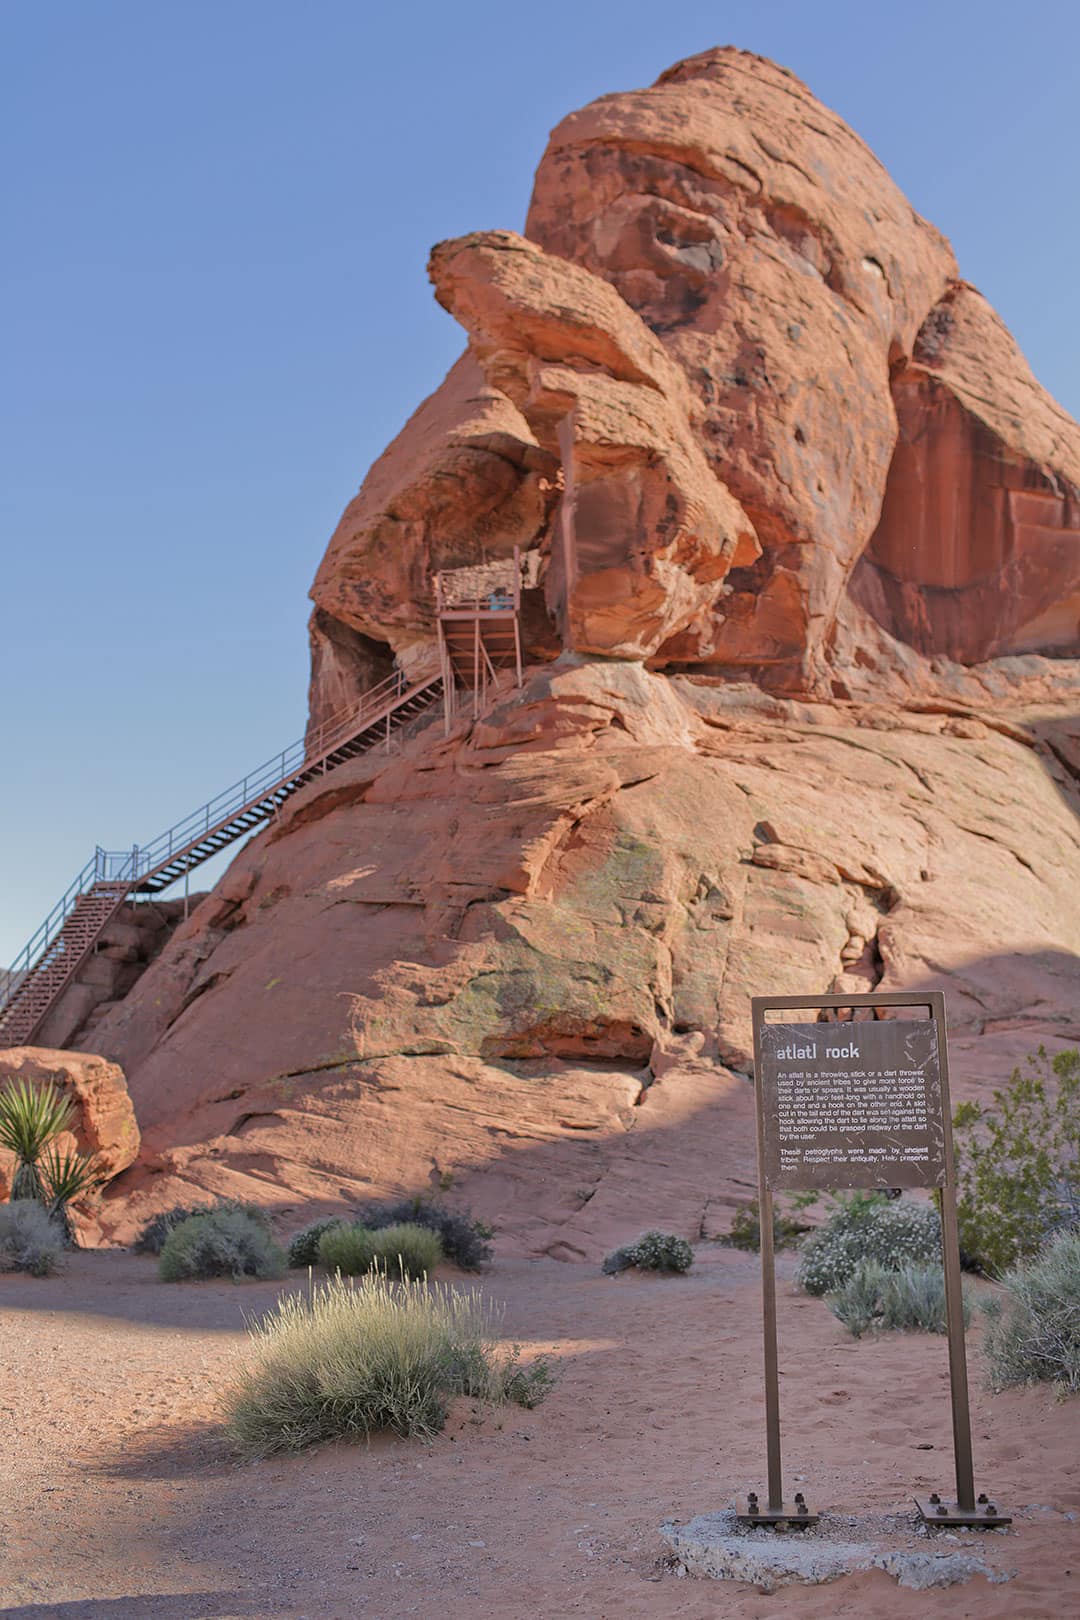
739,303
811,488
104,1118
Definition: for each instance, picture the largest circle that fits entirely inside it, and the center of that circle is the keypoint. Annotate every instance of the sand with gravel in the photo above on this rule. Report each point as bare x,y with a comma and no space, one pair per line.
122,1501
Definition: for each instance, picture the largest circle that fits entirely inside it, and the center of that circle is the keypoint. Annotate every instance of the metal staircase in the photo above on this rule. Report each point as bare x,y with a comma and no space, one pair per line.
51,959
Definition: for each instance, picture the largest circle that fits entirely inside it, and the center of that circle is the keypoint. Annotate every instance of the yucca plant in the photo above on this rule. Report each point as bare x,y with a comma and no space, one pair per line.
30,1118
65,1176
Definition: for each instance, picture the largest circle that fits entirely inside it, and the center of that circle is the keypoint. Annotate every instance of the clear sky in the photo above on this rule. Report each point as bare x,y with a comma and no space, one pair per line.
216,222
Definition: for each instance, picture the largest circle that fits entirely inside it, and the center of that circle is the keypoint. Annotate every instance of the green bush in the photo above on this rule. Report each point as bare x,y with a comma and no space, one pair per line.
406,1250
1018,1163
357,1358
465,1241
653,1251
30,1240
348,1249
151,1237
220,1243
745,1232
911,1299
895,1233
1033,1326
304,1245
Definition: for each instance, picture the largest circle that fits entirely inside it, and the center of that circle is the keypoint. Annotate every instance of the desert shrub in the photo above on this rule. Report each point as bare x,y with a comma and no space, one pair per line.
465,1241
151,1238
348,1249
30,1239
1033,1326
304,1245
745,1232
895,1233
223,1242
406,1250
357,1358
653,1251
523,1386
1018,1163
911,1299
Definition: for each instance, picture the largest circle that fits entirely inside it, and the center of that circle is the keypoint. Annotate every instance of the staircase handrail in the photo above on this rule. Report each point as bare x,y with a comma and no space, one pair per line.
129,867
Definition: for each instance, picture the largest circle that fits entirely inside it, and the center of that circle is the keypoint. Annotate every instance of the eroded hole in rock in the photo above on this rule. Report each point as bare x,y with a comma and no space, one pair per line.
344,665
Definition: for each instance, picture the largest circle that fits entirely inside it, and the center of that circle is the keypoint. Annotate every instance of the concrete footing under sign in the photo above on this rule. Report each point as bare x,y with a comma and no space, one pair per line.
715,1545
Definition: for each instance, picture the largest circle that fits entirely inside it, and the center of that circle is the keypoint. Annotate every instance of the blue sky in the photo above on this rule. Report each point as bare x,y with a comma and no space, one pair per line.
216,314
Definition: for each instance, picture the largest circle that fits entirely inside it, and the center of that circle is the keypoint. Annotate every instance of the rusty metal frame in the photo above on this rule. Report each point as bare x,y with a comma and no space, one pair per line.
967,1509
495,630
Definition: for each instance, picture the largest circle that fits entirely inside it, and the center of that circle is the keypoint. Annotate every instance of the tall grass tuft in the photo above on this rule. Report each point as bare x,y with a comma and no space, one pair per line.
353,1359
1033,1327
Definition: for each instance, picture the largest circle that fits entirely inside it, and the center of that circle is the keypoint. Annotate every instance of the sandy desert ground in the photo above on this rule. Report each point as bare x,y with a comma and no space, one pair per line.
121,1500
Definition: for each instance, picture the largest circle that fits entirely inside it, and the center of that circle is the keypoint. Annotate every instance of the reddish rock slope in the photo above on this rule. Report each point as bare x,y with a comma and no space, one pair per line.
812,489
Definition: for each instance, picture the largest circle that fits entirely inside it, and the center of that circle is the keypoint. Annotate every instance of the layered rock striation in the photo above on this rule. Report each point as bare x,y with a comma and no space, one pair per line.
800,713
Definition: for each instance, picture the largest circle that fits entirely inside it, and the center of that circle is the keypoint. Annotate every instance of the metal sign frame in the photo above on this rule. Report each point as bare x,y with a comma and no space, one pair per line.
966,1509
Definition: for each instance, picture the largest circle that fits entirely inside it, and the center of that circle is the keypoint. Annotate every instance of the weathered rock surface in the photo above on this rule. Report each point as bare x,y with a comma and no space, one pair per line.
789,494
521,957
978,549
104,1123
723,282
655,529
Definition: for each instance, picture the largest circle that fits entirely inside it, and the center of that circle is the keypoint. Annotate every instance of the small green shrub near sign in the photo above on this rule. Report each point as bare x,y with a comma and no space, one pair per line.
788,1229
1033,1324
911,1299
653,1251
1018,1163
868,1226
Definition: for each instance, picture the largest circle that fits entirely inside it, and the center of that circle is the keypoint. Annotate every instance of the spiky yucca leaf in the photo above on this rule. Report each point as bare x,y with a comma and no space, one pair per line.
65,1176
31,1117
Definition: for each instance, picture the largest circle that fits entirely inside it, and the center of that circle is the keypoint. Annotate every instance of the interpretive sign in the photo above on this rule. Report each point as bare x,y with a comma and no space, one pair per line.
852,1105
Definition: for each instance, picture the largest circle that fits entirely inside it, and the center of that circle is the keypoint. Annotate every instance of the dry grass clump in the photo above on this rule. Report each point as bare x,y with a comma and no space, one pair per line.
1033,1327
353,1359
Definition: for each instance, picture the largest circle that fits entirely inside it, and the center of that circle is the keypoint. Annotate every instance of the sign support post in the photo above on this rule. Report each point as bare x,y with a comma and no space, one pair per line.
859,1105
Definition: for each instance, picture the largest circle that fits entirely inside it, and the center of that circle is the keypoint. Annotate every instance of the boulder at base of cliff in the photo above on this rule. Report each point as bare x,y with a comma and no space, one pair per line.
104,1122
